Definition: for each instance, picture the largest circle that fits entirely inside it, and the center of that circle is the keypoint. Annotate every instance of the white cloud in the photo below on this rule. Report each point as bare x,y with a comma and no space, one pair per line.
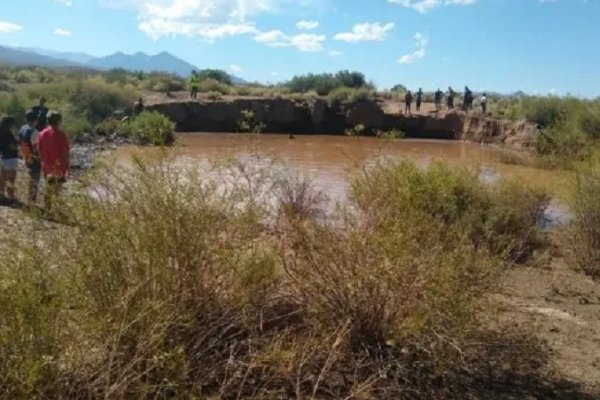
9,27
307,25
236,68
336,53
207,19
67,3
62,32
306,42
424,6
421,42
366,32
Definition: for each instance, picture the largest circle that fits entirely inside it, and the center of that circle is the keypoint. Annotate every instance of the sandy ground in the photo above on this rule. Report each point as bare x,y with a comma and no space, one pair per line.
562,308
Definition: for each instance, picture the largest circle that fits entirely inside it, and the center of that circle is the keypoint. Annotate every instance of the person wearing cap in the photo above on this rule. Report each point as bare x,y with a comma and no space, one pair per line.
28,138
9,152
42,113
53,148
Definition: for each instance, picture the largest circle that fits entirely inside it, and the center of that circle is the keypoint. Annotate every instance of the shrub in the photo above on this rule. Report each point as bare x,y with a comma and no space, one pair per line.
163,82
214,96
172,286
248,123
584,238
323,84
216,75
211,85
503,218
151,127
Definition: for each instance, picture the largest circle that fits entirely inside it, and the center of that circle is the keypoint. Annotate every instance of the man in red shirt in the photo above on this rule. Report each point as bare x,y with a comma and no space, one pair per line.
53,148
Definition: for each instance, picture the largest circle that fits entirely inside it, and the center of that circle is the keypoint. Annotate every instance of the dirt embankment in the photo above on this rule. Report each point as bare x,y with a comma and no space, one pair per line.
319,117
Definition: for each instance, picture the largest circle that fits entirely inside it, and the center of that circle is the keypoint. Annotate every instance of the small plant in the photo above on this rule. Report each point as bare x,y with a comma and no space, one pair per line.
214,96
248,123
391,136
356,130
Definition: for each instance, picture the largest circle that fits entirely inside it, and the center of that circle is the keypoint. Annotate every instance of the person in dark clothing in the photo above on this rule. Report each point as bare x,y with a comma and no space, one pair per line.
138,107
450,98
468,99
438,99
9,151
419,96
408,99
42,113
28,137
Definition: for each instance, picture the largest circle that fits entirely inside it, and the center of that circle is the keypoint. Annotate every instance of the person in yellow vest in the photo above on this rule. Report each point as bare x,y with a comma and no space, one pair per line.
195,84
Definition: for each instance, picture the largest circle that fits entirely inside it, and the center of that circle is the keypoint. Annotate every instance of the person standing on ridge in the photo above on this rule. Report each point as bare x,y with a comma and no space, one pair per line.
195,85
484,103
28,137
42,113
468,99
450,98
419,97
53,147
9,153
438,100
408,99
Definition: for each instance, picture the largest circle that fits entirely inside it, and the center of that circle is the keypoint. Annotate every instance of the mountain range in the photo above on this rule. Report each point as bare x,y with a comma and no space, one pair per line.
164,62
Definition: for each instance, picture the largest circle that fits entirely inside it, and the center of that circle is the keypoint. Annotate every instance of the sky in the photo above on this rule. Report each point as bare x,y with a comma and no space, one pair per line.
537,46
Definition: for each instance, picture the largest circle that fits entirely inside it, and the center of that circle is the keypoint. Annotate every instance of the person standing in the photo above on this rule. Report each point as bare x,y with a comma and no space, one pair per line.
53,147
28,138
450,98
195,84
42,114
138,107
438,100
419,97
9,152
468,99
408,99
484,103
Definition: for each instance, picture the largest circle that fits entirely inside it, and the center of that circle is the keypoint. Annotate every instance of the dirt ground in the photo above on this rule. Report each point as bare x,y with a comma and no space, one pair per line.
562,309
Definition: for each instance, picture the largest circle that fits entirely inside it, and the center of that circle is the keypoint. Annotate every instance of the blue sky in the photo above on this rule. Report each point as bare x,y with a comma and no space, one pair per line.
538,46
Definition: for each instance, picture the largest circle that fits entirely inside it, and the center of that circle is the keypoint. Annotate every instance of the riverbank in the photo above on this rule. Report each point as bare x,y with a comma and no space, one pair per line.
318,116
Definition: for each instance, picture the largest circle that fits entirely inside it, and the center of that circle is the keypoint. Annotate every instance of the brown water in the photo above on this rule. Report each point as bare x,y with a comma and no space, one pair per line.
329,160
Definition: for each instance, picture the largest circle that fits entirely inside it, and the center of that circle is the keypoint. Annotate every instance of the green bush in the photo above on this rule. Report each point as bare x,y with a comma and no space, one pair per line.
150,127
502,218
163,82
215,75
323,84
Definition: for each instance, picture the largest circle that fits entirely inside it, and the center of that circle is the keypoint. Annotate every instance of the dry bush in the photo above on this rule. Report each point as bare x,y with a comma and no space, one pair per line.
584,238
175,284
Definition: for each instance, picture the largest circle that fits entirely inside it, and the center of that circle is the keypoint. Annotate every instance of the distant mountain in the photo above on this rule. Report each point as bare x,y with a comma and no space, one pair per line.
164,61
143,62
21,57
76,57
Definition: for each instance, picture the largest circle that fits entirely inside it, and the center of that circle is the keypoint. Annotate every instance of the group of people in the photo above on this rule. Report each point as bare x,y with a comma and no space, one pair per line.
42,146
468,99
